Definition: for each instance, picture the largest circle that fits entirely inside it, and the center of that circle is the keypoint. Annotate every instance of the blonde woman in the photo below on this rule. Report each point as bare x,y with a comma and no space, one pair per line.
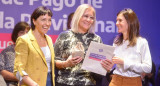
82,31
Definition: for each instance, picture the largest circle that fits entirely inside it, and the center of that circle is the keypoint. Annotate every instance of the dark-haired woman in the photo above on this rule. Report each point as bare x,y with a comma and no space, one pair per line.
7,56
34,62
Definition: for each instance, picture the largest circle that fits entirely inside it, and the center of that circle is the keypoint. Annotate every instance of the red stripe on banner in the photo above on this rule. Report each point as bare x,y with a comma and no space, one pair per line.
54,37
5,40
95,59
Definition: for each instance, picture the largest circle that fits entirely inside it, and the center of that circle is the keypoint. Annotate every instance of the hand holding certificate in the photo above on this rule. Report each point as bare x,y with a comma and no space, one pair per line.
97,52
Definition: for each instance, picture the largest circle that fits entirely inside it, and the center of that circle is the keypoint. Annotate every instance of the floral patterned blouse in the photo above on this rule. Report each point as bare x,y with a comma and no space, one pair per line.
7,57
74,75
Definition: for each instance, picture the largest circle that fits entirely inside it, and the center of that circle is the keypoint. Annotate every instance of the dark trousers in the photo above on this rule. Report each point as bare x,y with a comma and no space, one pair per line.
49,80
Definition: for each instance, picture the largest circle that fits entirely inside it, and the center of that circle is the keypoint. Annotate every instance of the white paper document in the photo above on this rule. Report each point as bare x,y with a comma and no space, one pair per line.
97,52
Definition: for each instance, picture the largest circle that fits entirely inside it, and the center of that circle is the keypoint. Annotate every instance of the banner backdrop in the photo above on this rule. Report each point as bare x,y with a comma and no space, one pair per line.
13,11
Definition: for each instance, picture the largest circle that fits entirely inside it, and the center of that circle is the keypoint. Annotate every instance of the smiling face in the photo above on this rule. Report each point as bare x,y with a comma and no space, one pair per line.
42,23
86,21
122,24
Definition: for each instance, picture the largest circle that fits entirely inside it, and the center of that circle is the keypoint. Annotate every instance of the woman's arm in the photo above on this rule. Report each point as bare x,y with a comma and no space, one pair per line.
21,50
27,80
21,54
8,75
71,61
145,63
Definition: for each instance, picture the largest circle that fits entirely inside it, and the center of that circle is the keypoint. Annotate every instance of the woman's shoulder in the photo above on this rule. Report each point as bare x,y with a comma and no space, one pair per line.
25,39
10,48
66,33
142,40
25,36
95,36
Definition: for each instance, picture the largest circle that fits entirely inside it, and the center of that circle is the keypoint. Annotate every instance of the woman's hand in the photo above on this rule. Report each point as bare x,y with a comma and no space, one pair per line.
27,80
72,61
117,60
143,75
107,64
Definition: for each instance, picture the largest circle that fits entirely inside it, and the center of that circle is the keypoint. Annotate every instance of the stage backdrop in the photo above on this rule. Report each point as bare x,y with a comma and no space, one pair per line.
13,11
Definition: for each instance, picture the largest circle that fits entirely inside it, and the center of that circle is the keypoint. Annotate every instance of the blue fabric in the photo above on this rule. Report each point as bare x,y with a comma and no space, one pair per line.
49,80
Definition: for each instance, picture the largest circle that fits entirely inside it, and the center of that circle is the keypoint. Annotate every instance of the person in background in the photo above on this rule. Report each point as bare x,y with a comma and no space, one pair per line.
159,72
149,78
82,32
34,62
132,54
69,20
7,56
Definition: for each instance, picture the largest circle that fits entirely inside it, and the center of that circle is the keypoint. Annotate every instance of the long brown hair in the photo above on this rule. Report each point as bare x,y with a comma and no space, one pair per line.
133,27
20,26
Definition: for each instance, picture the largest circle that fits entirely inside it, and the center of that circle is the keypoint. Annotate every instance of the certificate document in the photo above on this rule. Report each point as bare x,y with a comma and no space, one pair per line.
97,52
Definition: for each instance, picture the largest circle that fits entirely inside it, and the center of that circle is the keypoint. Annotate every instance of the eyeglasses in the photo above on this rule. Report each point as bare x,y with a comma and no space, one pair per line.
90,17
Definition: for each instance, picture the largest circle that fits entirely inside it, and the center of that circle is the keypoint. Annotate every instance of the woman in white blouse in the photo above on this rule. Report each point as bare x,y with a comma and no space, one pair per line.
132,54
